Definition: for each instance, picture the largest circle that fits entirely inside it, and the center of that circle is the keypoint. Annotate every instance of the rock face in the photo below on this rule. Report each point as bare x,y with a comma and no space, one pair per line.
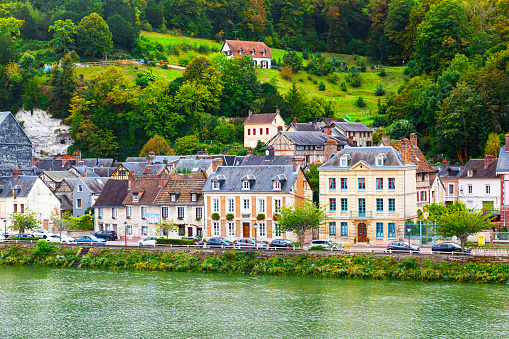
50,136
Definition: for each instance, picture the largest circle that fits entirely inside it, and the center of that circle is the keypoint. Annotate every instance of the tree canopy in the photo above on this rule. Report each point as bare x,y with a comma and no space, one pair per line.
300,218
94,36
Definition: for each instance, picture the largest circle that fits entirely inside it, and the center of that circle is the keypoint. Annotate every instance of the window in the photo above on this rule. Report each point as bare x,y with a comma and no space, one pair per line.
379,230
362,183
300,148
379,183
246,206
199,212
144,230
392,183
392,205
180,212
240,51
143,212
231,229
173,197
488,189
470,189
470,173
451,189
261,131
113,212
277,205
344,204
129,229
22,208
344,229
245,185
128,211
379,205
215,205
261,205
267,131
164,212
277,231
136,197
332,204
332,183
215,185
254,131
78,203
101,211
248,131
391,232
379,161
262,230
215,228
80,188
345,160
332,229
231,206
194,197
276,185
344,183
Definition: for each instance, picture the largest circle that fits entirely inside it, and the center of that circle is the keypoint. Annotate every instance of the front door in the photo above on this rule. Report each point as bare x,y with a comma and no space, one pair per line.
199,232
189,231
362,207
245,228
362,233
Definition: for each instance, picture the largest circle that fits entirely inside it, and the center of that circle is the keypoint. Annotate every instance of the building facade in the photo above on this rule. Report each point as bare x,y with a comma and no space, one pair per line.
261,127
479,185
109,210
258,51
15,147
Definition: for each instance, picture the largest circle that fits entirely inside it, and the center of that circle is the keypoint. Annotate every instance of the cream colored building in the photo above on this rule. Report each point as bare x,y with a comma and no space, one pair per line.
369,192
261,127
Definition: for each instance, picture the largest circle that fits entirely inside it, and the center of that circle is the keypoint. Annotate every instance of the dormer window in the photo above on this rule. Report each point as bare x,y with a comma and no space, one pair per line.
173,197
264,52
215,185
345,160
380,159
136,197
253,52
470,173
194,197
276,185
240,51
246,185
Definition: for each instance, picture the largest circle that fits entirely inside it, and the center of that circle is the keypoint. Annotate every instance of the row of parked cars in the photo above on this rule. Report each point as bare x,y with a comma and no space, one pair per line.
99,238
445,247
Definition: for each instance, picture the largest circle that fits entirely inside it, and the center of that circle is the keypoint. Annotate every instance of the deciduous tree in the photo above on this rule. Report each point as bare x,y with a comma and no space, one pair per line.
63,35
300,218
492,145
94,36
157,145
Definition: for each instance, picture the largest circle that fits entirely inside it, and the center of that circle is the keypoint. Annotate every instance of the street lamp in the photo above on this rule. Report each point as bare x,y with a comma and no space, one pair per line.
125,233
409,229
255,227
5,229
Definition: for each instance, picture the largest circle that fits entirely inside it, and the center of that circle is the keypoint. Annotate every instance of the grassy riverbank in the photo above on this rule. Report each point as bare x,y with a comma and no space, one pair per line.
233,262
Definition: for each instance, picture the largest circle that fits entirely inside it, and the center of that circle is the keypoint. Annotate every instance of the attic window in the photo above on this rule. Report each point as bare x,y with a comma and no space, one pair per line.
173,197
263,53
136,197
253,52
195,169
470,173
380,159
246,185
215,185
276,185
240,51
345,160
194,197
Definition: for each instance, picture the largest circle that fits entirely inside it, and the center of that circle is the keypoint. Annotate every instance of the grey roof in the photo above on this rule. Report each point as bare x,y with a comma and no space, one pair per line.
53,165
263,178
159,159
451,172
266,160
352,126
65,202
58,176
97,162
304,127
81,170
3,136
154,168
23,185
134,166
308,138
104,171
95,185
228,160
137,159
194,166
503,161
113,193
368,155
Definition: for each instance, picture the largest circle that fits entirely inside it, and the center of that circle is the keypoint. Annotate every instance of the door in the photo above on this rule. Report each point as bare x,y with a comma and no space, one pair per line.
362,233
245,228
199,232
362,207
189,231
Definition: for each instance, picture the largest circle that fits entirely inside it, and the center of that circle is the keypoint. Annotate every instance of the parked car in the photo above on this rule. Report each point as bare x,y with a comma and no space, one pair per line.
41,233
402,246
281,243
91,239
22,236
250,243
150,241
328,244
219,242
63,240
197,240
108,235
448,247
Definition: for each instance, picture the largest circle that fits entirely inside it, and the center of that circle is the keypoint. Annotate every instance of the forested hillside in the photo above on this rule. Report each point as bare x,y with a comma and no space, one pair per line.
453,91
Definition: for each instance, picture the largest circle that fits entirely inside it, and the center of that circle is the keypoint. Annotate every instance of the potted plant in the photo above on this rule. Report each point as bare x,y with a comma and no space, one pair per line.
276,216
260,216
180,218
354,240
215,216
367,240
229,216
198,219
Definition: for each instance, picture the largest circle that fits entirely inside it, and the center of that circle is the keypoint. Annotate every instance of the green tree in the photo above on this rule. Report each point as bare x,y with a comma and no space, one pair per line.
94,36
292,60
397,20
64,83
196,68
63,36
186,145
9,32
492,145
60,222
33,95
24,221
124,33
166,226
26,61
295,102
457,220
301,218
400,129
313,177
157,145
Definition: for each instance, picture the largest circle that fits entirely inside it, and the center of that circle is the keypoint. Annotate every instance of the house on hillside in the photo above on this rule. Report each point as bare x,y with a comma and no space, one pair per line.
360,134
15,147
258,51
261,127
479,184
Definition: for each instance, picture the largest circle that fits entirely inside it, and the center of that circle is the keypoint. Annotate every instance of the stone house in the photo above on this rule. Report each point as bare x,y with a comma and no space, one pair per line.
449,176
261,127
437,189
85,193
15,147
360,134
258,51
369,192
64,192
53,178
479,185
109,209
241,201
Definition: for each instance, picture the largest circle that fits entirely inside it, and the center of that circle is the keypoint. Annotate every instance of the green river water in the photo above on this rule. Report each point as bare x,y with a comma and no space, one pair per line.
66,303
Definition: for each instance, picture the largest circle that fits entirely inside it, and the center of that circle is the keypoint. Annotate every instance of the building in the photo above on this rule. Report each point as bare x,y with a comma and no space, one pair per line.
15,147
449,176
479,184
53,178
64,192
369,192
261,127
85,193
258,51
437,189
503,172
241,201
109,209
360,134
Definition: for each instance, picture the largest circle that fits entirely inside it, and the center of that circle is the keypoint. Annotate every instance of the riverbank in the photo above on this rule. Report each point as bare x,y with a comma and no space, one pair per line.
311,264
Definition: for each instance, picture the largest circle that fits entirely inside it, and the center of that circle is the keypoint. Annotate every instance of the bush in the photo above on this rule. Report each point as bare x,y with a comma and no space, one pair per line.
164,241
286,73
354,78
305,55
410,262
343,86
24,239
380,91
43,248
379,121
382,73
321,86
361,102
318,248
333,77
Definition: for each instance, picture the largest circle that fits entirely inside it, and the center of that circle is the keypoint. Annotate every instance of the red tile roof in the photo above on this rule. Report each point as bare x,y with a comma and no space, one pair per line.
247,48
265,118
416,156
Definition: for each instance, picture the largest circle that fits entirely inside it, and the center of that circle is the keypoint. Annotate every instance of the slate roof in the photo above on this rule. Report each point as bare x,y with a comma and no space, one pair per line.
329,121
113,193
229,160
154,168
95,185
368,155
194,166
450,172
81,170
247,47
137,159
352,126
134,166
58,176
104,171
416,155
479,172
266,160
25,183
262,183
52,165
503,161
159,159
308,138
264,118
183,185
71,182
304,127
96,162
148,187
65,202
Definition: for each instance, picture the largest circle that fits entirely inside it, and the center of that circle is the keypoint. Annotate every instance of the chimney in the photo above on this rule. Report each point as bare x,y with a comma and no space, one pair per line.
327,130
294,122
297,162
147,170
165,161
357,120
279,129
413,138
488,160
387,141
182,158
350,140
250,112
278,111
330,147
216,163
445,164
270,154
131,179
507,143
405,150
85,173
314,124
16,174
151,155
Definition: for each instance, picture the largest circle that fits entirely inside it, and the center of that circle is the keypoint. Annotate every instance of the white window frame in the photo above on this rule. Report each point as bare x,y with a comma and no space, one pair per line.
173,197
183,210
114,213
101,212
379,161
128,211
129,229
194,197
277,232
215,228
144,230
277,205
199,215
231,205
246,205
215,185
80,188
231,229
107,227
143,212
78,203
262,229
276,185
136,197
246,186
215,205
261,206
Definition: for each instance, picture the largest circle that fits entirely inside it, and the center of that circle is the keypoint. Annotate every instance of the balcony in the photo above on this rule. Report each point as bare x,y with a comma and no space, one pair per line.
361,215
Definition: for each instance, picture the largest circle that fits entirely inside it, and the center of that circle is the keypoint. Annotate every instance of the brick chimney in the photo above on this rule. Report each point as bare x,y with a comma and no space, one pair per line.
250,113
413,138
445,164
278,111
357,120
488,160
35,160
85,173
387,141
314,124
330,147
131,179
294,122
216,163
297,162
327,130
405,150
16,174
279,129
507,143
150,157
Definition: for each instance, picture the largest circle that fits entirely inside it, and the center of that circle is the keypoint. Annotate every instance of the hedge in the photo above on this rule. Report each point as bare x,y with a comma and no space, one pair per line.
164,241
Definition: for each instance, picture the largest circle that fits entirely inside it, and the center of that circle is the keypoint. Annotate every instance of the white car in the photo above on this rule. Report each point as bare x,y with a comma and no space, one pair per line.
150,241
41,233
64,240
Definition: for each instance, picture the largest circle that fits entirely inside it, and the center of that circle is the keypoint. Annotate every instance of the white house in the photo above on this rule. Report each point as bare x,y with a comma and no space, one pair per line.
258,51
479,184
261,127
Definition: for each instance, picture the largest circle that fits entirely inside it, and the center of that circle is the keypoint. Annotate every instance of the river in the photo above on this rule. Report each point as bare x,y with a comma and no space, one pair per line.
65,303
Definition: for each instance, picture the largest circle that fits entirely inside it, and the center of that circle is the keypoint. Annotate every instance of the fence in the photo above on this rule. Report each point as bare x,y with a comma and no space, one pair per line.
426,232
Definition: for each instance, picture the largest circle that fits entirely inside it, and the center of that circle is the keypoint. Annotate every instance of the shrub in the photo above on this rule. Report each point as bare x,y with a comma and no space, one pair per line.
354,78
305,55
286,73
229,216
43,248
379,121
315,81
24,239
310,78
215,216
382,73
380,91
361,102
321,86
318,248
343,86
409,262
260,216
333,77
164,241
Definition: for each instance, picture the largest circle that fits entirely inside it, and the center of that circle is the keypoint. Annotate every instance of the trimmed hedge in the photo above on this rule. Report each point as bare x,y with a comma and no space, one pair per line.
24,239
164,241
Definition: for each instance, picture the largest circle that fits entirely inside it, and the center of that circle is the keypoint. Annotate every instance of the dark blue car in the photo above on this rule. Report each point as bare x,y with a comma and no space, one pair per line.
90,239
